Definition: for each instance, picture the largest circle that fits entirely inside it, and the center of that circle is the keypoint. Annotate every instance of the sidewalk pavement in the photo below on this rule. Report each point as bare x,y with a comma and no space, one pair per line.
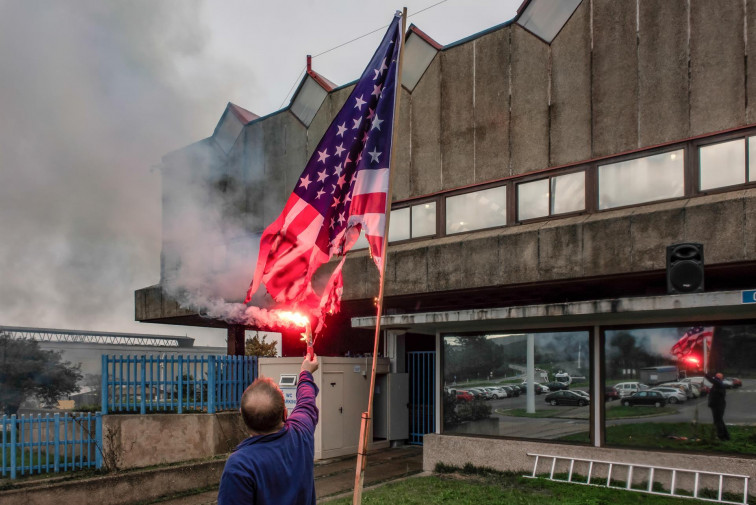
335,477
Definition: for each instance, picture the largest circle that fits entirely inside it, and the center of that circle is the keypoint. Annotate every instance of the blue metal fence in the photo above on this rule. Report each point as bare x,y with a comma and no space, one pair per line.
50,444
175,383
421,366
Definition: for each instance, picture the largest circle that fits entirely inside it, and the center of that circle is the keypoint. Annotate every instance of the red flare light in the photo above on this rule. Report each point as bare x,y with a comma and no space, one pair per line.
692,360
294,317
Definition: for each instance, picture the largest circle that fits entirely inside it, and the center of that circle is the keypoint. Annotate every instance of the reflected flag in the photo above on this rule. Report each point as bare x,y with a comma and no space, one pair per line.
692,339
343,190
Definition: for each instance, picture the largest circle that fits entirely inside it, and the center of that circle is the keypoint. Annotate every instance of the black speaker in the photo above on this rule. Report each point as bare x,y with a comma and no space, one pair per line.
685,268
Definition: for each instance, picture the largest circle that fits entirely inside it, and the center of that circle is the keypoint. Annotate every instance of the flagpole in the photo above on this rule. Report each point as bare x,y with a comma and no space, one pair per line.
359,478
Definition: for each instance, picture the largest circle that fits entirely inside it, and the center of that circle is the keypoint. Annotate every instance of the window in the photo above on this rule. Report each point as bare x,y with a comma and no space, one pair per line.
641,180
399,225
476,210
722,164
658,399
751,159
424,219
486,391
556,195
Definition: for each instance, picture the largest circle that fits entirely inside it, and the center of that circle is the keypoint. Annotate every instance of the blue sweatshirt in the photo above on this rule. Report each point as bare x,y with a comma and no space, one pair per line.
276,468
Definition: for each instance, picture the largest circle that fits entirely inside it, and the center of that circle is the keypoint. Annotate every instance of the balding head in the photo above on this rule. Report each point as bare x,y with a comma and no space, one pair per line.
262,407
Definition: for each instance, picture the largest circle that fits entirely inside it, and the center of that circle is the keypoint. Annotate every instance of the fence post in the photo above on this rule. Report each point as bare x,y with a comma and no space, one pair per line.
143,409
211,384
181,384
13,447
104,385
99,448
57,441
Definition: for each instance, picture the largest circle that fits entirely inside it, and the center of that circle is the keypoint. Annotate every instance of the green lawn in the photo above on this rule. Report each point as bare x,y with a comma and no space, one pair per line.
678,436
493,488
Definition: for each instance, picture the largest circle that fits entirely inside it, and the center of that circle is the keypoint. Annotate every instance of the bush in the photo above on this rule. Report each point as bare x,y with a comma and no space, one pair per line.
473,411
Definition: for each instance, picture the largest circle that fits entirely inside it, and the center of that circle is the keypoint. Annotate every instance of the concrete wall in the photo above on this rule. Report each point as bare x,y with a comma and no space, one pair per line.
139,441
512,455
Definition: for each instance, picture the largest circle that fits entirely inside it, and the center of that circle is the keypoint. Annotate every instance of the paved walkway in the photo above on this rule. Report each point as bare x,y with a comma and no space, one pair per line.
335,477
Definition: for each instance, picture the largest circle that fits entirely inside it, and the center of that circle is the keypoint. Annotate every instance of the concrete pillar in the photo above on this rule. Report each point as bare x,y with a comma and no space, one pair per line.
595,385
235,340
530,374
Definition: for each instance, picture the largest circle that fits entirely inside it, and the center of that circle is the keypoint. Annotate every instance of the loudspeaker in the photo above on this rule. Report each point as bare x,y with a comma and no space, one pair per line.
685,268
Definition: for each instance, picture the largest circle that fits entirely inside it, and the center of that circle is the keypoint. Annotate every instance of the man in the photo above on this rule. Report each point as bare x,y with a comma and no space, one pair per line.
717,404
275,464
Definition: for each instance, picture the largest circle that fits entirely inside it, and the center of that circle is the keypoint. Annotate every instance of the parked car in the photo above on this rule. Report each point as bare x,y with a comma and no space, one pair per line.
497,392
566,397
582,393
537,387
628,388
686,387
512,390
463,396
672,394
479,393
654,398
611,394
557,386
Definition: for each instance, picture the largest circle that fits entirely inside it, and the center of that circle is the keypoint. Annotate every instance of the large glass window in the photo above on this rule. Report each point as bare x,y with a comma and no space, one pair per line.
556,195
722,164
476,210
657,392
486,390
399,225
641,180
751,159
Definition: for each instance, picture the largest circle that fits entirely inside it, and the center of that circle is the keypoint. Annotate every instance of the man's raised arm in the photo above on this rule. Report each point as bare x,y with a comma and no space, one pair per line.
306,413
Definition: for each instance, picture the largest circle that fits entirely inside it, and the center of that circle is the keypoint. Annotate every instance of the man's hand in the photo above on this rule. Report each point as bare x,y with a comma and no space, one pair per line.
310,365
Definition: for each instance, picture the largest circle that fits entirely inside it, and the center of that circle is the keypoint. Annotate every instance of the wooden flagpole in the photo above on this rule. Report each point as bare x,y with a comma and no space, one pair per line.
359,478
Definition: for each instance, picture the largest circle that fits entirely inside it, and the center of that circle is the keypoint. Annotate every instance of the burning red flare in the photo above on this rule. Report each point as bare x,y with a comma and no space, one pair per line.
692,360
299,320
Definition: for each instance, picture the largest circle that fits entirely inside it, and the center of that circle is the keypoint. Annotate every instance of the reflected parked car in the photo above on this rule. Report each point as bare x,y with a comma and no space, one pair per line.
672,394
654,398
557,386
496,393
463,396
566,397
584,394
611,394
512,390
628,388
537,387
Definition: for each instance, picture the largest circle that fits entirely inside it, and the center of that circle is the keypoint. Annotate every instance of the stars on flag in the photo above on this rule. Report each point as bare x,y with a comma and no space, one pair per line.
374,154
360,102
376,123
322,155
305,181
342,128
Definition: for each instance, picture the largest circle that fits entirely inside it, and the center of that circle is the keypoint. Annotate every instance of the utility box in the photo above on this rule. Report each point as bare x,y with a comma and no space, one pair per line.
344,385
391,407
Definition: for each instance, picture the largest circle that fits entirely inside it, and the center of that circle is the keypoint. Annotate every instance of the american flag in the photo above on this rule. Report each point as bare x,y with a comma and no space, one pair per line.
691,339
342,190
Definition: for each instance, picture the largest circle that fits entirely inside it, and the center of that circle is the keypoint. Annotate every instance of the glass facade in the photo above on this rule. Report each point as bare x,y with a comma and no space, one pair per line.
641,180
751,159
399,225
722,164
485,393
660,399
476,210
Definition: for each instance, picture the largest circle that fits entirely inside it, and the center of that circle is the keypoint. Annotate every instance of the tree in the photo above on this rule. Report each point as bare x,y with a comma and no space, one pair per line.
26,371
257,346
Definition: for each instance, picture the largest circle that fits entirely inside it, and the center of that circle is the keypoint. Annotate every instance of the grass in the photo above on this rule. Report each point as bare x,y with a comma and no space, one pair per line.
621,412
678,436
481,486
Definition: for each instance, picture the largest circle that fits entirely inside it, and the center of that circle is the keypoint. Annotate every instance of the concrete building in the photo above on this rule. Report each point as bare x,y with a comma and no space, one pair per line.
543,169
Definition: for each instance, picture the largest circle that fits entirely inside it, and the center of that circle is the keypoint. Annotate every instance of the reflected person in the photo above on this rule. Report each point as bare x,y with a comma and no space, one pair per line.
717,404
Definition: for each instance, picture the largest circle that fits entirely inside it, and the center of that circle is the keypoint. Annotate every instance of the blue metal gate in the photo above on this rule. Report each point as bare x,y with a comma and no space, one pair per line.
421,366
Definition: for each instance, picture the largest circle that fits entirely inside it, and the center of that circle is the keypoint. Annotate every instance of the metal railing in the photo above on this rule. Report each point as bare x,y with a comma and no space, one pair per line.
175,383
421,366
50,444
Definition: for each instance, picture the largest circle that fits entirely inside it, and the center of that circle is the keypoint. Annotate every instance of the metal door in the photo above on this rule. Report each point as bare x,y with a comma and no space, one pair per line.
421,366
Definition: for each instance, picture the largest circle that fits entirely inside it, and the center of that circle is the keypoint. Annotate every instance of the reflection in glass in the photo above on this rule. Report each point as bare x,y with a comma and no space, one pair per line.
477,210
533,199
722,164
399,225
568,193
641,360
424,219
751,159
641,180
483,389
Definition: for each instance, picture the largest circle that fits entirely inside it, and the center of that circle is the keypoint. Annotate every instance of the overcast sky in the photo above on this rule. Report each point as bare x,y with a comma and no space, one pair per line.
93,93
